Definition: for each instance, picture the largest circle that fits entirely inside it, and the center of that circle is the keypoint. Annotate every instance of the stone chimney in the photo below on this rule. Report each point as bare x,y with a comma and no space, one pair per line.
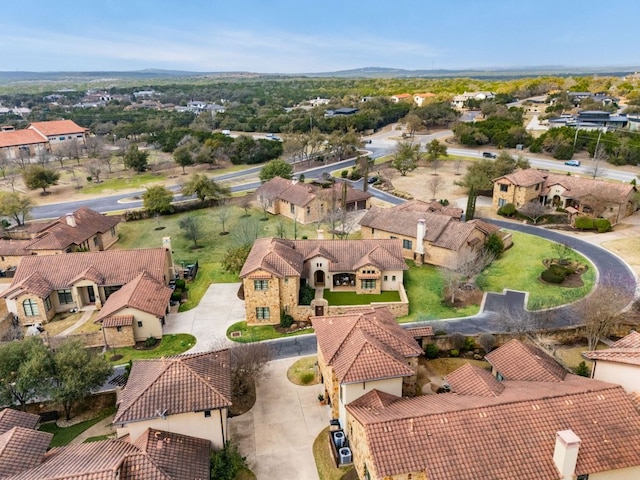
421,232
71,220
166,244
320,234
565,454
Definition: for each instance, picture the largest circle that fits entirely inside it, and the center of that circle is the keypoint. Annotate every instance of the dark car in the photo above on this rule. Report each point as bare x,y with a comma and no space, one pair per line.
372,180
489,155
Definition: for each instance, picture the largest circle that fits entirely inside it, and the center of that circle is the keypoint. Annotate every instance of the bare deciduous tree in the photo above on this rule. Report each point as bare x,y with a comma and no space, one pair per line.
487,341
4,163
435,183
457,163
452,281
600,311
533,210
223,213
247,363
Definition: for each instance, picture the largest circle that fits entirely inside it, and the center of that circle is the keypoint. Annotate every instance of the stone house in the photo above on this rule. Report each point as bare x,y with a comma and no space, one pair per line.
155,454
45,285
363,351
537,419
276,268
583,196
619,363
83,230
187,394
135,313
307,203
429,234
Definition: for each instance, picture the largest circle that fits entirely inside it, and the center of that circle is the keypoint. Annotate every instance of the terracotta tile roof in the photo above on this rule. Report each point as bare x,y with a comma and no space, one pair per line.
90,273
365,345
117,267
576,187
10,418
57,127
117,321
520,361
626,350
184,383
21,448
442,231
470,380
518,437
402,95
286,257
10,247
35,284
142,293
16,138
59,235
426,331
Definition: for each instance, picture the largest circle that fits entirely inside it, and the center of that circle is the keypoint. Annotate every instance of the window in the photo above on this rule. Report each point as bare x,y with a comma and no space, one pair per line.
139,324
537,187
262,313
110,290
368,284
61,139
113,231
118,328
393,278
583,477
408,244
501,202
207,413
47,303
293,209
95,241
308,210
30,308
319,265
504,188
392,237
386,278
64,297
261,284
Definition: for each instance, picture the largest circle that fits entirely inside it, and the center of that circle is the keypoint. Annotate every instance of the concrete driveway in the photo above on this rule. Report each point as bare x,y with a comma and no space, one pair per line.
219,308
277,434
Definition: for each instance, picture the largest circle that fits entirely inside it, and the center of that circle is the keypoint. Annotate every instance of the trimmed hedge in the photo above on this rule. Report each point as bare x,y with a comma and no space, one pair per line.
602,225
554,274
507,210
584,223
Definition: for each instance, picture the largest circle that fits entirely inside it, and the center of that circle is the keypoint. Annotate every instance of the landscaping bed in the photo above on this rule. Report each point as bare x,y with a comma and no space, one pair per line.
248,334
173,344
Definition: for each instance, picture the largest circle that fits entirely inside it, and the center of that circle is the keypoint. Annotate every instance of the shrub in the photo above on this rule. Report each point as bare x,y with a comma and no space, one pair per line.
582,369
507,210
307,377
431,350
554,274
180,284
227,463
286,320
494,245
584,223
469,343
454,353
457,340
306,295
602,225
176,296
444,202
150,342
344,173
487,341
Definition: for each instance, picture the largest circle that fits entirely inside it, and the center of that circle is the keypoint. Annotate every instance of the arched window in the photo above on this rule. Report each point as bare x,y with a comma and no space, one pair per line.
30,308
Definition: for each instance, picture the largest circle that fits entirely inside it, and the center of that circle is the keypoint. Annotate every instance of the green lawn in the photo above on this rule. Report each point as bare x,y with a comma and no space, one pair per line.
174,344
520,268
136,181
256,334
351,298
62,436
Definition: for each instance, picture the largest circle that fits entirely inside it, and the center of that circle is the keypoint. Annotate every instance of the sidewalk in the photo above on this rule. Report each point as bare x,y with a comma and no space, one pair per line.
86,315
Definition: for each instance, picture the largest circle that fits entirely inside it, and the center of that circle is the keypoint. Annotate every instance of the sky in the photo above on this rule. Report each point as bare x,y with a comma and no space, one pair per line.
302,36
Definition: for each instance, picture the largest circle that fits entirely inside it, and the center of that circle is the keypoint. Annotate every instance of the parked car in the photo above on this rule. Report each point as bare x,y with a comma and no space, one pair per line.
372,180
489,155
572,163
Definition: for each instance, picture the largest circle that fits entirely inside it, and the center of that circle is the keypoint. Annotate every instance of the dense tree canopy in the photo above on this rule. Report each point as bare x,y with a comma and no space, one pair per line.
38,176
157,200
276,168
480,174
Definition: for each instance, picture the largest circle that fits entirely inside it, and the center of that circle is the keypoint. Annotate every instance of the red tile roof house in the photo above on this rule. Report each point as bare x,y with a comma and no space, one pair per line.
187,394
22,143
155,454
532,420
363,351
82,230
580,196
49,284
60,132
429,234
619,363
276,268
308,203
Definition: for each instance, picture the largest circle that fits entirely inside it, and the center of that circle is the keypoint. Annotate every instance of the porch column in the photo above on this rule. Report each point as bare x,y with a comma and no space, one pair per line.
96,294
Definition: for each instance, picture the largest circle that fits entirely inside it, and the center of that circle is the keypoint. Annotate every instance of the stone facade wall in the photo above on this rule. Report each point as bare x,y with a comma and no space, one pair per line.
7,261
514,194
269,298
409,383
331,385
43,316
93,339
122,338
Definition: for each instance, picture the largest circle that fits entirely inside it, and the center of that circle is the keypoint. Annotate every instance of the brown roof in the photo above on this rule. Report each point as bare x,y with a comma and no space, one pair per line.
366,345
59,235
22,448
57,127
425,331
142,293
184,383
10,247
470,380
438,434
283,258
520,361
116,267
16,138
302,194
626,350
576,187
10,418
442,230
117,321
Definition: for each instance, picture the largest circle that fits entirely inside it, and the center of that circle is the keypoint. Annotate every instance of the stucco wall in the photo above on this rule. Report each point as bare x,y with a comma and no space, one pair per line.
621,374
352,391
194,424
151,325
632,473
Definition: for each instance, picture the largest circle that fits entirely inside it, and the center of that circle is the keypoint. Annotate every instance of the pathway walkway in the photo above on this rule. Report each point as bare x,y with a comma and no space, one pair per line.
103,427
86,315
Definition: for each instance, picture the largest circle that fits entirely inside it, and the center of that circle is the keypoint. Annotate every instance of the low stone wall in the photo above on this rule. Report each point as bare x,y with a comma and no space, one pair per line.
93,339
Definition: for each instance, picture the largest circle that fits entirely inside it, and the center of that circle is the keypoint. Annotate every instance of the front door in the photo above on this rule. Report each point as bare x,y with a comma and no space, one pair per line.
319,310
319,280
92,295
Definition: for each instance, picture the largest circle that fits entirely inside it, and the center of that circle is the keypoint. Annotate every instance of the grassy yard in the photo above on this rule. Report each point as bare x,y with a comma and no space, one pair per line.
62,436
170,345
256,334
60,322
125,182
303,371
520,268
351,298
324,462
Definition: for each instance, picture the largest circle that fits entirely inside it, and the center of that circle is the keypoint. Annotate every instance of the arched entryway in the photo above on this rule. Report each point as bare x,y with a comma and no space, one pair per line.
318,278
